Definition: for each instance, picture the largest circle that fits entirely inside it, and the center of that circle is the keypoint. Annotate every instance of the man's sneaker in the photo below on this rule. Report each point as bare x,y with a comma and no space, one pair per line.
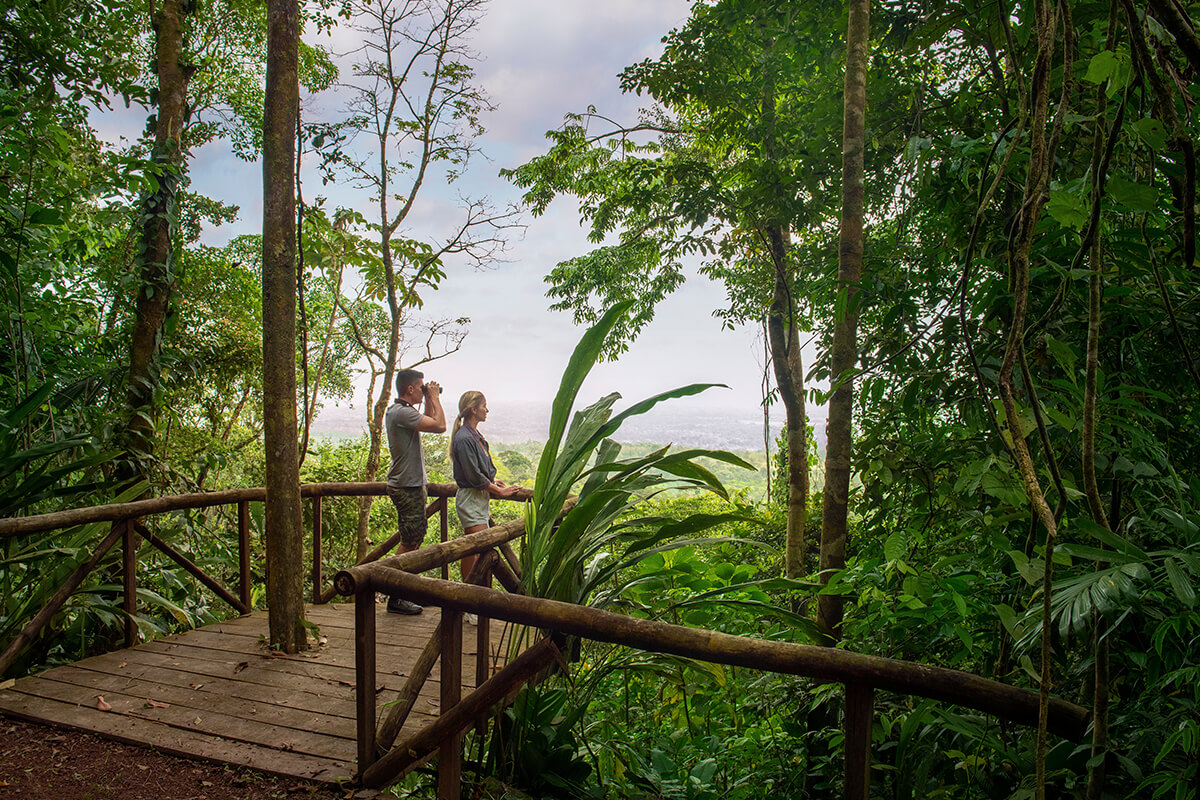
397,605
470,618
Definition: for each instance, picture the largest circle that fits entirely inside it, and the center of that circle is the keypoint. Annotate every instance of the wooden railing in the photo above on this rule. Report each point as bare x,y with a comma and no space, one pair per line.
128,527
382,760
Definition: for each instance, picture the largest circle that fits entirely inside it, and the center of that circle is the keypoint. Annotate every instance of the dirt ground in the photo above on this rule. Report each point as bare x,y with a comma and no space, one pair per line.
44,763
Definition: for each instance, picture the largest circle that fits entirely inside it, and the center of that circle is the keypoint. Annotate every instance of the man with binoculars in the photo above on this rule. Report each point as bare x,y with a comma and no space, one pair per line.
405,423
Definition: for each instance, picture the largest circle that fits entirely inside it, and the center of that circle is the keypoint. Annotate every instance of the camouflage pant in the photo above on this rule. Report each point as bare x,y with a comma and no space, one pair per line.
410,510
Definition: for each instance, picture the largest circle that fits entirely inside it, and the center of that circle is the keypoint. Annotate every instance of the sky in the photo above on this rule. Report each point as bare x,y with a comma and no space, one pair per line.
539,60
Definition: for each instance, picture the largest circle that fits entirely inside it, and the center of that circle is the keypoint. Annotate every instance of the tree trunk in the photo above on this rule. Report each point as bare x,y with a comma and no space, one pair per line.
160,223
285,543
784,341
1035,197
844,352
789,377
374,455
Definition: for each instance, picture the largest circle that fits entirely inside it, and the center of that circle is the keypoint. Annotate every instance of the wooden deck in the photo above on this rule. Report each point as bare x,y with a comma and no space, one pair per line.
218,694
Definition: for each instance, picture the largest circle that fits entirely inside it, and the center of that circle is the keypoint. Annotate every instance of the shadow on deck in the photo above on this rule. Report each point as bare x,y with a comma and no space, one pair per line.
217,693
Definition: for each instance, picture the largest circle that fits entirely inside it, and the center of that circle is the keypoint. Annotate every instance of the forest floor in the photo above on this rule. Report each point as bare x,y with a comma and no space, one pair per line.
44,763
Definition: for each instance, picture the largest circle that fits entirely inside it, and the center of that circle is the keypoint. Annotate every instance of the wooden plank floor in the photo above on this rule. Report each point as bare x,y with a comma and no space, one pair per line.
218,694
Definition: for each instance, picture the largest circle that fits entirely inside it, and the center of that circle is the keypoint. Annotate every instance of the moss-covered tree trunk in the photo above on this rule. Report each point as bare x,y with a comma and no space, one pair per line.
844,356
285,543
160,223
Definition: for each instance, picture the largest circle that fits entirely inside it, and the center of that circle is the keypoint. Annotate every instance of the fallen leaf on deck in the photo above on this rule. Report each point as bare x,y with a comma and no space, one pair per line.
156,704
102,704
196,721
8,684
433,702
196,685
240,666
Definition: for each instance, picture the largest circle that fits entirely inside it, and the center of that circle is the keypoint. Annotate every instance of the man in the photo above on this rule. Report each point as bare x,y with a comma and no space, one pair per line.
406,478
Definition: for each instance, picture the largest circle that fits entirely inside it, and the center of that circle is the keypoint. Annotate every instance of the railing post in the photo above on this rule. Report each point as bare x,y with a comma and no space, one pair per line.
364,675
450,753
860,709
317,578
244,552
444,522
129,545
483,641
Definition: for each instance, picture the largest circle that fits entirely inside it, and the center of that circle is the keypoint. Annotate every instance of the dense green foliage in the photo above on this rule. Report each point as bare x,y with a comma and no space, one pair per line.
1081,319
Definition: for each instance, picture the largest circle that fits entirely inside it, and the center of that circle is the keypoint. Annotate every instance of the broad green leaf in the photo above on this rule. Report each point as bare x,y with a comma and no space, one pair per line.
1134,196
1101,67
1181,584
895,547
1068,209
1111,539
1152,132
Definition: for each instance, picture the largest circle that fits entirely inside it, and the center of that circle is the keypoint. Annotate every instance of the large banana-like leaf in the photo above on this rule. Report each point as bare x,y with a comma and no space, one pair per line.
578,367
569,562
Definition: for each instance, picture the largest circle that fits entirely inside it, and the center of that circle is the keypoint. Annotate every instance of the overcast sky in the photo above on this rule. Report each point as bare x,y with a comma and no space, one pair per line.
540,59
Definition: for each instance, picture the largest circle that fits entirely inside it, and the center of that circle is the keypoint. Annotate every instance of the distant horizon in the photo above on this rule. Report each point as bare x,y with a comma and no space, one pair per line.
673,422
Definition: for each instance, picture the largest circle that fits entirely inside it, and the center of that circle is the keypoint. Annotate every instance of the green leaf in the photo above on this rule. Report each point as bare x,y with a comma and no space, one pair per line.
1101,67
1029,569
1180,583
583,358
1068,209
1134,196
1152,133
1063,353
45,216
895,547
1111,539
9,263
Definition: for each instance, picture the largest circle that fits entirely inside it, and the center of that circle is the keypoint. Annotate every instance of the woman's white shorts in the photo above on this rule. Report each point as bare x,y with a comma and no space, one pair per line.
472,506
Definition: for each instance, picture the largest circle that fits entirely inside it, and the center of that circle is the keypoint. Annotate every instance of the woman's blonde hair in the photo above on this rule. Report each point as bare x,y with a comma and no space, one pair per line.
468,402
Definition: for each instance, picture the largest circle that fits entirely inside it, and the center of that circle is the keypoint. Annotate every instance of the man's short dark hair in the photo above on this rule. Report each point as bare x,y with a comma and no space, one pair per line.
406,378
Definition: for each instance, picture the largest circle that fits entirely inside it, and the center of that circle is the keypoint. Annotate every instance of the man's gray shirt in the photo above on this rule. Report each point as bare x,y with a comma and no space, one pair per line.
404,444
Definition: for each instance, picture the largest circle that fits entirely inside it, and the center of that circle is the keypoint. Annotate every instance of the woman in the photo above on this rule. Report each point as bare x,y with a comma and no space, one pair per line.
474,471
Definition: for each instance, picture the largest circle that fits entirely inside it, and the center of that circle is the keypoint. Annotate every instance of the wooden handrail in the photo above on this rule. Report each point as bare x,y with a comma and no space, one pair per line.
123,515
437,555
973,691
18,526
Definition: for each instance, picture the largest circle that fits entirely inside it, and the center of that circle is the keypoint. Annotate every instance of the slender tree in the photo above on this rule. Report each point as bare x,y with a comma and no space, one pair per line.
743,92
844,353
416,99
285,544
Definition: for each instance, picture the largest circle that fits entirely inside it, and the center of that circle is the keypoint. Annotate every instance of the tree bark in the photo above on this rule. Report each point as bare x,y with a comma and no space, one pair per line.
844,355
1035,197
784,341
160,222
789,377
285,544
